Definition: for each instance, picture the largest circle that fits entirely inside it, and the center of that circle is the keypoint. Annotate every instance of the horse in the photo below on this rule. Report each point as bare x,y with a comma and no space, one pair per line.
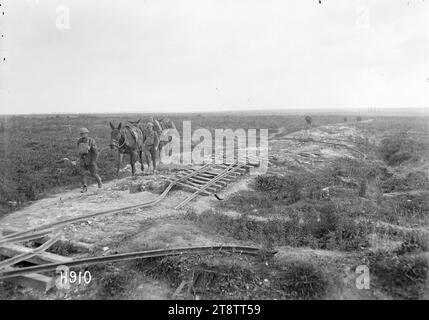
151,146
159,125
128,140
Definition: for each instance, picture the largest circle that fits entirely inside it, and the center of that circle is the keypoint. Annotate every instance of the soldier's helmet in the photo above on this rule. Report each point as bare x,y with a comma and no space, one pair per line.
83,130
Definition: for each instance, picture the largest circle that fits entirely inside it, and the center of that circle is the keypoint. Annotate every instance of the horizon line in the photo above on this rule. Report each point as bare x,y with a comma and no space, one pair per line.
371,110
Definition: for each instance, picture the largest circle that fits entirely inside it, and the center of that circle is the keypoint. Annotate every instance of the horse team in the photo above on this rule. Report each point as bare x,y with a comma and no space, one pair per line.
140,140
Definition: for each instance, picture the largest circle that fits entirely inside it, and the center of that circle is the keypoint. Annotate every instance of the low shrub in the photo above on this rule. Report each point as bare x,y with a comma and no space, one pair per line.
246,201
402,276
285,189
355,168
414,241
113,284
326,229
412,181
302,280
214,275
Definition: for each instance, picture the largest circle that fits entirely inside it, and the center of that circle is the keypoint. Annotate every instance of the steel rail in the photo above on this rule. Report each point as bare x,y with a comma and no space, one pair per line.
185,185
37,234
201,182
131,256
197,186
203,179
19,236
207,185
27,255
215,181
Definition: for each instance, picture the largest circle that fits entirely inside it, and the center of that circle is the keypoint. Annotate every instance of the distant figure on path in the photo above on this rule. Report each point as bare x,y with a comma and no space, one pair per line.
88,158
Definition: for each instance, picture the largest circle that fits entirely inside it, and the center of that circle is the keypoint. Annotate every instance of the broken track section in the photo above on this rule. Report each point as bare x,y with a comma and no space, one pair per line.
209,178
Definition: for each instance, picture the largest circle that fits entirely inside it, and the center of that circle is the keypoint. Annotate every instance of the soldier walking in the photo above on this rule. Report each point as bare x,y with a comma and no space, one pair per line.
88,153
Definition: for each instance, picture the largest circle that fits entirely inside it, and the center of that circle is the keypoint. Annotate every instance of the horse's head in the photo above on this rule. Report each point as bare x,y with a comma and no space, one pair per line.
115,135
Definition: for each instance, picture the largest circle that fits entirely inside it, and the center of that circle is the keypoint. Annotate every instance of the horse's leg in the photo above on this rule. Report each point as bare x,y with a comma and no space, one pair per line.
158,153
162,144
133,162
154,156
120,156
147,156
141,160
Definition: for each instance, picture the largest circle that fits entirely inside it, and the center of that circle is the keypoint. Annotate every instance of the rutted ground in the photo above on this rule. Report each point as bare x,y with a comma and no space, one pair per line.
163,226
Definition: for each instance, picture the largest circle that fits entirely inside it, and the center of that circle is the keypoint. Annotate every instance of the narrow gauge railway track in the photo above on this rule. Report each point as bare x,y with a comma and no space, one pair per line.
195,180
131,256
25,256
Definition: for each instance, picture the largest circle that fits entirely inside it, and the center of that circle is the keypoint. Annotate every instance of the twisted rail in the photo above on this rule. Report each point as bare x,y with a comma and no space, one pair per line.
47,228
133,255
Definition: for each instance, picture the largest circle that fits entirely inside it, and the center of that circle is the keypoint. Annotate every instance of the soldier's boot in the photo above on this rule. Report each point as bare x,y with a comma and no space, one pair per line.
100,184
84,189
83,183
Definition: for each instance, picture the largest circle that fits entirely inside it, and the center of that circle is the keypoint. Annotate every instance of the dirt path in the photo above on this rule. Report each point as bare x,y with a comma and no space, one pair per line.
161,225
115,194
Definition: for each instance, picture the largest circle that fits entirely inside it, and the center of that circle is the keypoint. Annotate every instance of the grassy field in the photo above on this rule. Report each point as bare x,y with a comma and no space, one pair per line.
375,213
31,145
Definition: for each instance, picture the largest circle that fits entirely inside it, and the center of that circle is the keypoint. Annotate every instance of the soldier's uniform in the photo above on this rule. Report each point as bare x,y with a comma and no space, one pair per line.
150,143
88,154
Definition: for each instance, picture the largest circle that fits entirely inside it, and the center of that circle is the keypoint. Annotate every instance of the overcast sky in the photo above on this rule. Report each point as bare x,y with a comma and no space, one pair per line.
203,55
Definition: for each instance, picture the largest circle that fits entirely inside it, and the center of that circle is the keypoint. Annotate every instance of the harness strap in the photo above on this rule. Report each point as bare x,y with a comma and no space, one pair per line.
123,143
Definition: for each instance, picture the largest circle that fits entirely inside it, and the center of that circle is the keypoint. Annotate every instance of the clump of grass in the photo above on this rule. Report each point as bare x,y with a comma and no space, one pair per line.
302,280
246,201
109,280
405,209
8,290
113,284
325,229
363,186
286,189
402,276
64,248
232,276
271,192
213,275
355,168
411,181
414,241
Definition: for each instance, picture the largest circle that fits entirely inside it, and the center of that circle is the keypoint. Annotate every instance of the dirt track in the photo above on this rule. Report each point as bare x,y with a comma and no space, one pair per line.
162,226
115,194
